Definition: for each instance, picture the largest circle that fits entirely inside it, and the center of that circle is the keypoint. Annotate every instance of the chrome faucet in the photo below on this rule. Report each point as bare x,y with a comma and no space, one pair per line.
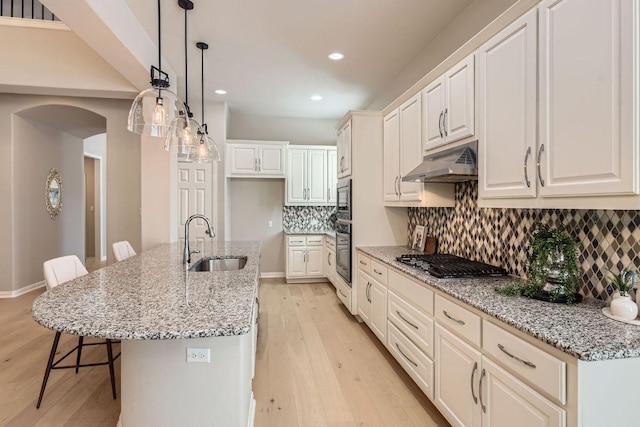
186,257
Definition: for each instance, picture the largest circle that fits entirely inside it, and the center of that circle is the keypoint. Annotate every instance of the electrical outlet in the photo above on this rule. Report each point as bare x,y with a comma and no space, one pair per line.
198,355
269,224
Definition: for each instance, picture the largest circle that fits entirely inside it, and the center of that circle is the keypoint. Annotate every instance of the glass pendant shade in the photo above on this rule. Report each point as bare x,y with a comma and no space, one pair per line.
205,151
152,112
183,134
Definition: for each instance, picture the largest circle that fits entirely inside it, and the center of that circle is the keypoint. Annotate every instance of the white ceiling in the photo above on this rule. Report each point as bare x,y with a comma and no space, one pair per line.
271,55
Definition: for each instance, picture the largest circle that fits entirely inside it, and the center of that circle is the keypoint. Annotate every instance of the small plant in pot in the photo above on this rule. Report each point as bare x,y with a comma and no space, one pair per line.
621,305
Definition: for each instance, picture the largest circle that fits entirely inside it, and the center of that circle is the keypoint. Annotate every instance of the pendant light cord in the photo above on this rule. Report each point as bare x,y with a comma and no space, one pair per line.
202,86
159,48
186,67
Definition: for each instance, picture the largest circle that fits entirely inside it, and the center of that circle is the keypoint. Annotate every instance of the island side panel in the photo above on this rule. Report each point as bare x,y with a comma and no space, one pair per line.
159,388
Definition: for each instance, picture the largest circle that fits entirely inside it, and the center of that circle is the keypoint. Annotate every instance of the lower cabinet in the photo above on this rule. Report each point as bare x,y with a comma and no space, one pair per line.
305,257
412,359
372,302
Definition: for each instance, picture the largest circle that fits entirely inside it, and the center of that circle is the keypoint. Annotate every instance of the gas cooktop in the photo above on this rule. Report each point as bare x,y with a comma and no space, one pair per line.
446,266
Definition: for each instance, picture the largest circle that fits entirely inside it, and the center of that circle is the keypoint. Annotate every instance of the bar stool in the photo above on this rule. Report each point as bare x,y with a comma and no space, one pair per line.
56,272
122,250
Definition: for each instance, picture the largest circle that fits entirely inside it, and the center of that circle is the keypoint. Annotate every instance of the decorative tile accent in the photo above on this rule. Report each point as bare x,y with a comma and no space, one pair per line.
306,218
607,239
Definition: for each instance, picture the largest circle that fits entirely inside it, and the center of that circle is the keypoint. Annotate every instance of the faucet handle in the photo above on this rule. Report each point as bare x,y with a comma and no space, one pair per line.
197,251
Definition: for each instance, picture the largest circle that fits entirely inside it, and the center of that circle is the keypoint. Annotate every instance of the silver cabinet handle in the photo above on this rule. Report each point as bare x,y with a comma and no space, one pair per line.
343,294
440,124
473,374
444,122
405,356
526,173
377,272
484,408
362,262
367,291
514,357
341,161
406,321
538,164
259,165
395,185
329,258
328,193
399,192
258,311
458,321
255,165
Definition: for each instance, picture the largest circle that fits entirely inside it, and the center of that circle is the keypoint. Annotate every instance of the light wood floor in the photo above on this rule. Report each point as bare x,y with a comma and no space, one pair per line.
316,366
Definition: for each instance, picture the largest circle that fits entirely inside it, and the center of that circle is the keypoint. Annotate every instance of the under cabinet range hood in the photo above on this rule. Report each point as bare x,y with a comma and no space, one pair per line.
456,164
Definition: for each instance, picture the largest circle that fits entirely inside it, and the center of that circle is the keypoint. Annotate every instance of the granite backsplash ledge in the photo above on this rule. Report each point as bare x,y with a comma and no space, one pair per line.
607,239
307,218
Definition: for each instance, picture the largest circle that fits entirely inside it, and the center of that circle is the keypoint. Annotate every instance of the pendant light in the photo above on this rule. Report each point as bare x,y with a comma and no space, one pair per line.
154,109
206,150
183,132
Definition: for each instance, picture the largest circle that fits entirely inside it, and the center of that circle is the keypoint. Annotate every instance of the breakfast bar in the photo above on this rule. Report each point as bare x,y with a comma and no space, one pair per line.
162,312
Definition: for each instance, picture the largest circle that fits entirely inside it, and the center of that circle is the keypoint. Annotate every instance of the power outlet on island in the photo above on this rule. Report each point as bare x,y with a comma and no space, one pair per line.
198,355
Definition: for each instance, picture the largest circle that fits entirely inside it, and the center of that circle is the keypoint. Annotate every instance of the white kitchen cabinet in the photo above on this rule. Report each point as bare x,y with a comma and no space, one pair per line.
330,262
449,106
344,150
588,79
332,176
256,159
457,371
372,304
402,130
364,302
305,257
507,111
308,181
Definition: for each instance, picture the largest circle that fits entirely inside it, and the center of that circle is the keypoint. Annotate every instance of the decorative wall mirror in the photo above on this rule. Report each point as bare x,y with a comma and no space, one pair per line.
53,193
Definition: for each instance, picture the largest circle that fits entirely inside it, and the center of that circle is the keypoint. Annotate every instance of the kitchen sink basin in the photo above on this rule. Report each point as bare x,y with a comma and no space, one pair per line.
220,264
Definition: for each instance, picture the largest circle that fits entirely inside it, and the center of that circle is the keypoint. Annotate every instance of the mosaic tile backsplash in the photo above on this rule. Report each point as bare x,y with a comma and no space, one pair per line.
307,218
607,239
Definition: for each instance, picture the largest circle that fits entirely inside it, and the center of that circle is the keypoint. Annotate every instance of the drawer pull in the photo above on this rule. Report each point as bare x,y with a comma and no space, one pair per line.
377,272
514,357
458,321
343,294
403,318
362,262
405,356
473,374
484,408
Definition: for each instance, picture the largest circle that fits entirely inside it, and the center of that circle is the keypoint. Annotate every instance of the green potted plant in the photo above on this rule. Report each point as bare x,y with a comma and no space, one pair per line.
621,304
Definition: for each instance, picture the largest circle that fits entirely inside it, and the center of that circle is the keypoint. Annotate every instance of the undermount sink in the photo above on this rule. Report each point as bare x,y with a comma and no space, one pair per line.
230,263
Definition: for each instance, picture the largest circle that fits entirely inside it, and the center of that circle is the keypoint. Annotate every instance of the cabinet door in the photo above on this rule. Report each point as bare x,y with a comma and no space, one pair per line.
332,176
344,151
364,300
340,150
458,367
315,261
296,176
330,265
587,141
378,294
510,402
271,161
317,176
296,262
243,160
459,112
391,157
432,114
507,88
410,146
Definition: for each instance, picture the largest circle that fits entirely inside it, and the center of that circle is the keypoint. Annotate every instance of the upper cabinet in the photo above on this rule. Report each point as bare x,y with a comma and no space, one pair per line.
507,92
449,106
344,150
332,176
255,159
587,144
310,178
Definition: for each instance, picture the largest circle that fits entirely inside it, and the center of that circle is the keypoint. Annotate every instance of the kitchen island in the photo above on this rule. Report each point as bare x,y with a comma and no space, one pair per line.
159,310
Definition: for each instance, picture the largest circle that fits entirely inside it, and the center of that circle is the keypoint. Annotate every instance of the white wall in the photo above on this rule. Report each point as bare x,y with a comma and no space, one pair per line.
96,147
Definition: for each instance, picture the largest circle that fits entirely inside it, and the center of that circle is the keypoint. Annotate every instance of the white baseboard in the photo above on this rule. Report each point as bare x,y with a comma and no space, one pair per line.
272,275
21,291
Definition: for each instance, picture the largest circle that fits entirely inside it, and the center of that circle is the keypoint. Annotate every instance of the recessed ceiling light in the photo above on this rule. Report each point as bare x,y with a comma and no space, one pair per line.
336,56
316,97
220,91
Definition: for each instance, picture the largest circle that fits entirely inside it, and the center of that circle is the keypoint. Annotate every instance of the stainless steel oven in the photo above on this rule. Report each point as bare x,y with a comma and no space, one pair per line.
343,250
343,199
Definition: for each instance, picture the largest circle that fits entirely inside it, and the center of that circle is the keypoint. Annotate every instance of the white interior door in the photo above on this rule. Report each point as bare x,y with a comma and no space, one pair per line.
194,197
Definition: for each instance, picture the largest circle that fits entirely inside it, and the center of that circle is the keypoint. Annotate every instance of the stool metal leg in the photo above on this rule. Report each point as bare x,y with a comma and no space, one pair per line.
56,340
111,370
80,339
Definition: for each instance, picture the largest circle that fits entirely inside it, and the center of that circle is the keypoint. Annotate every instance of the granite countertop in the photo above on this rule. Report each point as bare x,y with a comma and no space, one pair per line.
296,231
151,297
580,330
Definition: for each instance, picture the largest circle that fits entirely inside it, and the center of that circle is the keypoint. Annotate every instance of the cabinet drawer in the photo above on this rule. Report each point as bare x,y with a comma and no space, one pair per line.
344,292
315,240
526,361
415,362
417,326
379,272
419,295
297,240
331,243
461,321
364,263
